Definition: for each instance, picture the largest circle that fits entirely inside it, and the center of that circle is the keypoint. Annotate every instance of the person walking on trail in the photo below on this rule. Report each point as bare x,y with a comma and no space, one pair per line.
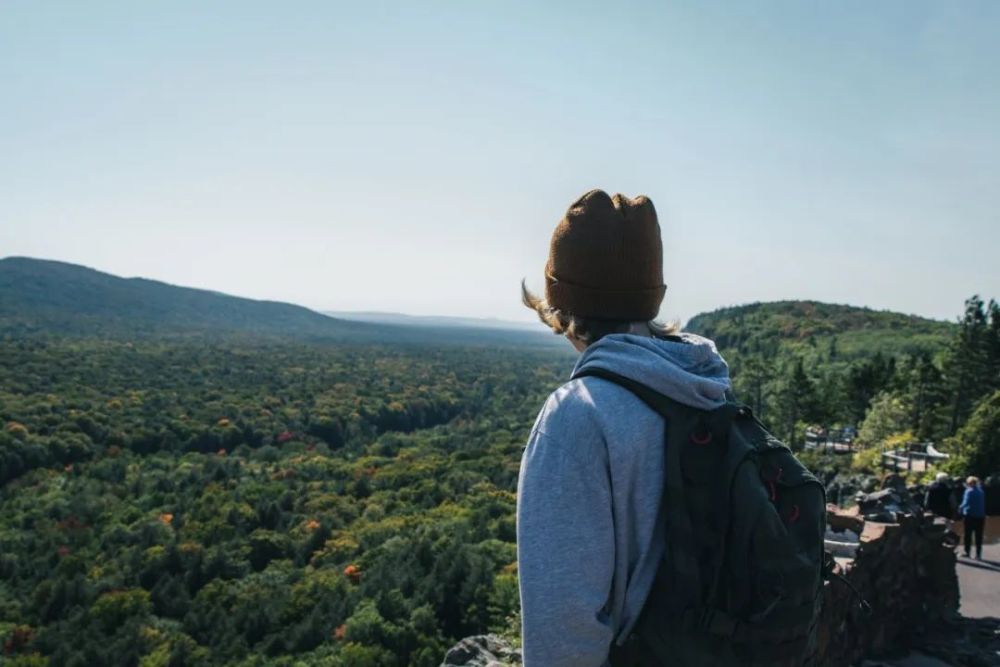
973,511
595,533
939,499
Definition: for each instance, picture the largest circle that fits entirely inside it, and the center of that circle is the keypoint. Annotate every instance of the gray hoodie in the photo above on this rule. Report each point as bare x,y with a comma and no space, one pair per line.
589,538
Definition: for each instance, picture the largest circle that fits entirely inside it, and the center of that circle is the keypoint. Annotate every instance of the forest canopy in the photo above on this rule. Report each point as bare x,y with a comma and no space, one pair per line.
231,504
248,501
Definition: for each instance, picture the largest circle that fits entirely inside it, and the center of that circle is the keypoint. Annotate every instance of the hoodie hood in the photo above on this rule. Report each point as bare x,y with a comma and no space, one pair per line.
691,372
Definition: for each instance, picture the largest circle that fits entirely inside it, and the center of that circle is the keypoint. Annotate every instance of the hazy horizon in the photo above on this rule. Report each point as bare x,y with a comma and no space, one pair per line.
373,315
414,159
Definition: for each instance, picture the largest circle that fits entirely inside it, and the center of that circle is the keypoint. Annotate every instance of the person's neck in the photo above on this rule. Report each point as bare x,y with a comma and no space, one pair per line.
639,329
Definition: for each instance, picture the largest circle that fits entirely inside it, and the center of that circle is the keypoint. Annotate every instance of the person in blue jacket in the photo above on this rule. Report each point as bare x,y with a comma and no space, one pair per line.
973,511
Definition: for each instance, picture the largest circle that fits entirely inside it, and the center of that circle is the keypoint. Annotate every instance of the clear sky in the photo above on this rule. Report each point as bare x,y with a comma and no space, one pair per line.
415,156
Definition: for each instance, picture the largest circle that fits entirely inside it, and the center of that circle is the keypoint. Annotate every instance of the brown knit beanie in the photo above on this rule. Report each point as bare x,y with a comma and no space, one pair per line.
606,259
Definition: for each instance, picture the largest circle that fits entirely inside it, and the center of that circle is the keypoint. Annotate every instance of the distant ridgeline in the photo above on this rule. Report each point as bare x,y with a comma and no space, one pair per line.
836,332
43,297
901,378
805,361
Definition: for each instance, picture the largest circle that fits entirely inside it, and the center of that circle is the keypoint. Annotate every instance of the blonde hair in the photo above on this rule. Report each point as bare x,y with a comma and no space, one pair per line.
586,329
972,480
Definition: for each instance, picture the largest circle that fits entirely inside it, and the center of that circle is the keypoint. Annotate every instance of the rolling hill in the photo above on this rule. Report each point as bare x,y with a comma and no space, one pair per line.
45,297
848,331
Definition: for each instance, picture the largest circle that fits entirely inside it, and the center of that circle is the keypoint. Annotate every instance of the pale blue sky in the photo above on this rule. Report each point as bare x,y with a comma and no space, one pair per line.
415,157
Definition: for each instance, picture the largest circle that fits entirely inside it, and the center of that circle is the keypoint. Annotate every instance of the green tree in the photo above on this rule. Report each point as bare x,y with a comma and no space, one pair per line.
796,402
113,609
967,365
993,345
864,380
975,449
888,415
755,374
925,392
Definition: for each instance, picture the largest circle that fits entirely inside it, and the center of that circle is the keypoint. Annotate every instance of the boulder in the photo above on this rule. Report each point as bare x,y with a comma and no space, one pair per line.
905,572
482,651
971,642
887,505
840,520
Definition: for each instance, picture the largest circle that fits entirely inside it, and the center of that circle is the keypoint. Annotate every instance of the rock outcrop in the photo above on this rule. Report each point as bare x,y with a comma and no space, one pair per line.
964,642
482,651
902,569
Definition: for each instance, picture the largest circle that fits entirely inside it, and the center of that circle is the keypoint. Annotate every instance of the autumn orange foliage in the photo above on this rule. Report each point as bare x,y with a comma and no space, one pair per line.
353,572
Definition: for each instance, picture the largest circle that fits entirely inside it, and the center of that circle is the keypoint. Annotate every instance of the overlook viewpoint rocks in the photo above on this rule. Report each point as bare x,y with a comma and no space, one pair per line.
903,564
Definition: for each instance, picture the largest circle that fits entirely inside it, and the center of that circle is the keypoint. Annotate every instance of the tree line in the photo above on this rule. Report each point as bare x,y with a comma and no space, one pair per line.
944,393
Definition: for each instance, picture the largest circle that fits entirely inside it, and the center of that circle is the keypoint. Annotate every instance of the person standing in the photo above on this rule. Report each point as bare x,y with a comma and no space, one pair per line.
589,514
938,499
973,511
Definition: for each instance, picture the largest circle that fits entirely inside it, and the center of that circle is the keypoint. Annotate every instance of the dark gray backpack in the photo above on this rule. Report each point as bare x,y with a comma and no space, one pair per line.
742,578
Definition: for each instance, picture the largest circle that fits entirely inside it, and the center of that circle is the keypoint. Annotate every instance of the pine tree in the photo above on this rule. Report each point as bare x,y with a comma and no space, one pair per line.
756,373
923,389
796,402
993,346
967,370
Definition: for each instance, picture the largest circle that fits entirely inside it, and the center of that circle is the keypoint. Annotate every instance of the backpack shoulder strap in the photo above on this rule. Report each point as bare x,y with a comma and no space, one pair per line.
664,405
682,422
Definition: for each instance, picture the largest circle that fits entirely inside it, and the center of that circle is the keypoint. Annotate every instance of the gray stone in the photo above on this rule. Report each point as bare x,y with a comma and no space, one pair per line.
886,505
894,482
482,651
